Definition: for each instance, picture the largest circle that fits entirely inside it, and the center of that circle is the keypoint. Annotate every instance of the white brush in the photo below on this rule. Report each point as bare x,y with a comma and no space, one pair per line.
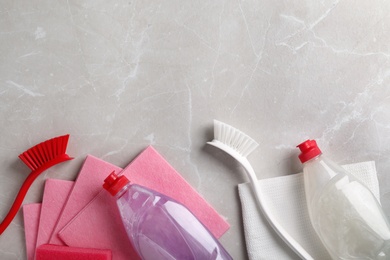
239,146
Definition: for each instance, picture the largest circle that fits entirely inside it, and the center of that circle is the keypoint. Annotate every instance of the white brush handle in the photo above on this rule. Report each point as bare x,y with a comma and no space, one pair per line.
291,242
239,145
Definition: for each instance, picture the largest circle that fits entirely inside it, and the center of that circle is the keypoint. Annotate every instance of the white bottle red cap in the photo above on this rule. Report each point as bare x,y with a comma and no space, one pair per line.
309,150
114,183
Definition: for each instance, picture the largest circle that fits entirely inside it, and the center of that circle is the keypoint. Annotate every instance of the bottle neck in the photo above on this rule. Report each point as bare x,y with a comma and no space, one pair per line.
123,190
315,158
114,183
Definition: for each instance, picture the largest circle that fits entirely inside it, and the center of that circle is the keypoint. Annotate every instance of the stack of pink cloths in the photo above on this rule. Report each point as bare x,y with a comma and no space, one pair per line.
82,214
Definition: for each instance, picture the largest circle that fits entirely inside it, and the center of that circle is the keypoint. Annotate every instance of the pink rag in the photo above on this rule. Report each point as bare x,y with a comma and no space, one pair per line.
55,195
31,213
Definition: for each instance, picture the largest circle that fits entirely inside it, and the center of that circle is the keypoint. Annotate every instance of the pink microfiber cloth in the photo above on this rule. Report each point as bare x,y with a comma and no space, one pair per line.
103,229
56,252
31,213
55,195
99,224
86,187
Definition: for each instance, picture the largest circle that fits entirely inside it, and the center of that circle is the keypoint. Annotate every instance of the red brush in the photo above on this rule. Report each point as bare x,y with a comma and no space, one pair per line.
38,158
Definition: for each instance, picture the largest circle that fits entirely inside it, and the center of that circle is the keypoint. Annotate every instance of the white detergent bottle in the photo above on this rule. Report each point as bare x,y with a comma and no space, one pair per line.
343,211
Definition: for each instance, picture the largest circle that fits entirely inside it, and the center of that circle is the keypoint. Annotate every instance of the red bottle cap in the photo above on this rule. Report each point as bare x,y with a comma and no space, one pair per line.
309,150
114,183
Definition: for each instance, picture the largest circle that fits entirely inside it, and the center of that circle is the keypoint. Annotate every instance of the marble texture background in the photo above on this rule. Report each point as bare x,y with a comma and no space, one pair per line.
121,76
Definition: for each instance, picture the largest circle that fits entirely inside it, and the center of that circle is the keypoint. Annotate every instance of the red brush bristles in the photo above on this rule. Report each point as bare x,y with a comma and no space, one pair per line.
45,152
38,158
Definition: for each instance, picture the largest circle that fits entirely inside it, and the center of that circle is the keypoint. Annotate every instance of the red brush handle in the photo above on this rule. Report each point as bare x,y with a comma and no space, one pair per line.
18,200
25,187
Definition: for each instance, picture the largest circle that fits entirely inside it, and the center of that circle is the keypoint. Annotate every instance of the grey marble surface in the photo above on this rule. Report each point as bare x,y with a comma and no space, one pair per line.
121,76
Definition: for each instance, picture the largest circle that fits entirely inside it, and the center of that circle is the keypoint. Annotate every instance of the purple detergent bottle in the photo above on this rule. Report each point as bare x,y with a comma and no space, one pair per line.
160,227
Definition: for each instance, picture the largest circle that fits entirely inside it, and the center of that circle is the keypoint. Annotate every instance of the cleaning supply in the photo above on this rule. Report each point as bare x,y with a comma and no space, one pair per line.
159,227
50,252
85,189
31,214
239,146
38,158
55,194
286,194
149,169
343,211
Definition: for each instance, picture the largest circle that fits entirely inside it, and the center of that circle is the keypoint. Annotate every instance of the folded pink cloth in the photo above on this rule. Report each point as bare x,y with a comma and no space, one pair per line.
99,225
55,195
103,229
86,187
31,213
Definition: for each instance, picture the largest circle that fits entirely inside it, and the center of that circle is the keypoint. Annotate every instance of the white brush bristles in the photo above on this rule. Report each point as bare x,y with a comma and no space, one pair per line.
234,138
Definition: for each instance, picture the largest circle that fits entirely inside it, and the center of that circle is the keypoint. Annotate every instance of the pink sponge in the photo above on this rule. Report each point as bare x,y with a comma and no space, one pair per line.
50,252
